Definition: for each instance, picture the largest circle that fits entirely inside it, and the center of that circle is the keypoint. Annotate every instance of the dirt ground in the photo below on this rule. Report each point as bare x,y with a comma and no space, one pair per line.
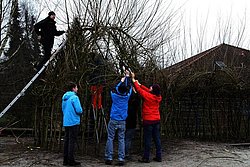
176,153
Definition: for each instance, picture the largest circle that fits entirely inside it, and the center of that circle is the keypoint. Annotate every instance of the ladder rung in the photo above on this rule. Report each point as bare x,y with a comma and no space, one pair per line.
31,81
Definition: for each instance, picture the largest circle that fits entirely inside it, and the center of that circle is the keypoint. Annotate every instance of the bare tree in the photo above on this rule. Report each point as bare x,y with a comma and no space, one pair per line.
132,32
6,8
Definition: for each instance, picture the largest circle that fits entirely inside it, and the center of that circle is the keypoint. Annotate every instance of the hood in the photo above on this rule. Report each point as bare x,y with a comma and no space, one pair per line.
119,93
157,98
67,95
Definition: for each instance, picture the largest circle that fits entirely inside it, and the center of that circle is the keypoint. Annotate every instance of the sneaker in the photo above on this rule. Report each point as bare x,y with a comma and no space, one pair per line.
157,159
144,160
108,162
74,163
120,163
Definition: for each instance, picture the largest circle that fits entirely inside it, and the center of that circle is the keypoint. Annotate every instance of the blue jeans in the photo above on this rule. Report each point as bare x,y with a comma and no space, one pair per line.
128,140
152,131
120,126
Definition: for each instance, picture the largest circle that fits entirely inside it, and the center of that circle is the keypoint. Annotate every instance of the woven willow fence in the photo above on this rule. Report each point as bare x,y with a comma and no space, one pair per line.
224,119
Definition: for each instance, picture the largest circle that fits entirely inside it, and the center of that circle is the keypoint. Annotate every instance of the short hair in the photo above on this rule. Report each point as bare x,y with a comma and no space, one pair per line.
70,86
156,89
51,13
122,88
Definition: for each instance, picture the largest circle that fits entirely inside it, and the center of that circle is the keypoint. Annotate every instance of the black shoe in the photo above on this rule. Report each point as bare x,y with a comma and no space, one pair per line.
128,157
120,163
157,159
75,163
108,162
65,163
143,160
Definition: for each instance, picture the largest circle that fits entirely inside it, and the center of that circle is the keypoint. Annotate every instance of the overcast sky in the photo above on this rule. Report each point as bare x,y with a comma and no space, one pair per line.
205,19
210,15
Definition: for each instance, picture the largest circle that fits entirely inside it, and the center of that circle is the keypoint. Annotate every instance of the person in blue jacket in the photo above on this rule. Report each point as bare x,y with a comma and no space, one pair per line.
118,114
72,110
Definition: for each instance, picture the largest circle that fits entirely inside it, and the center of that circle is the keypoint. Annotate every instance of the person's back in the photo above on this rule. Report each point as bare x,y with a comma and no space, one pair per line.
71,109
133,107
131,122
151,119
118,114
151,102
119,106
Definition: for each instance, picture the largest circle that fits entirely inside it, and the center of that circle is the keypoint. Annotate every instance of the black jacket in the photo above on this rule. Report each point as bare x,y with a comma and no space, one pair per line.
133,107
47,29
97,66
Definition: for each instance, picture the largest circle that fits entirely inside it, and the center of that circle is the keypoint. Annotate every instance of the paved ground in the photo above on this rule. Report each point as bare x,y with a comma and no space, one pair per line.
177,153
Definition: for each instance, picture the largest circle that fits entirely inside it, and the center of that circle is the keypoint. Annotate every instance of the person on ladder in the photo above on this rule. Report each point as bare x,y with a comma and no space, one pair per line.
46,31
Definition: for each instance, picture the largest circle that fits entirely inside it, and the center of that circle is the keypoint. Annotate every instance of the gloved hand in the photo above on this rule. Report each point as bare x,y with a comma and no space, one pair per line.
127,73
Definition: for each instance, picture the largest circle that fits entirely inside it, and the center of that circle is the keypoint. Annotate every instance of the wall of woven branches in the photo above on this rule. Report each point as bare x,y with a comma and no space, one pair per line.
205,102
113,33
77,62
216,119
198,100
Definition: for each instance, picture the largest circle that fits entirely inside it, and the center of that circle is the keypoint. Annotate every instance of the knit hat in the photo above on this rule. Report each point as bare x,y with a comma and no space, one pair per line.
156,90
51,13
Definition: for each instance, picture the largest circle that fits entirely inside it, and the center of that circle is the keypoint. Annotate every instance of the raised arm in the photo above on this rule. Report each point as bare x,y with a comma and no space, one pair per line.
139,89
145,88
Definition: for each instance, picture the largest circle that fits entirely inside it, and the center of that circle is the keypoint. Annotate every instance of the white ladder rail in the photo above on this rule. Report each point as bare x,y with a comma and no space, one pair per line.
32,80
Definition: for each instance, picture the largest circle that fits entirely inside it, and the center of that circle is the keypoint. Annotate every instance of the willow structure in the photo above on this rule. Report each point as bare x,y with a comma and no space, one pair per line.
208,95
113,33
205,96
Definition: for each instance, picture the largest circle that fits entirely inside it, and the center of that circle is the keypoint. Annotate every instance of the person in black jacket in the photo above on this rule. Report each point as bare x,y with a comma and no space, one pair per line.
46,30
131,121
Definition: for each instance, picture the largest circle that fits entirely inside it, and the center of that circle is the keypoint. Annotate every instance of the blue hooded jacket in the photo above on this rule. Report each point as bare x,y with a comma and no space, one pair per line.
71,108
119,108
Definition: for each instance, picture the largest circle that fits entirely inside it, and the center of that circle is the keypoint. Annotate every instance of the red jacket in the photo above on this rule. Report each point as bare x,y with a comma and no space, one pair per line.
151,103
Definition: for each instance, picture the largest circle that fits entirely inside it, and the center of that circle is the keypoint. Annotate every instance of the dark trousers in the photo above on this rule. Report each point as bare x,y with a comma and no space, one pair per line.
152,131
47,54
70,140
129,135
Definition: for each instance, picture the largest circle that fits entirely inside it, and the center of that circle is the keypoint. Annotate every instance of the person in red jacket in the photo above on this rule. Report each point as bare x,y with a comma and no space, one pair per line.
151,118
